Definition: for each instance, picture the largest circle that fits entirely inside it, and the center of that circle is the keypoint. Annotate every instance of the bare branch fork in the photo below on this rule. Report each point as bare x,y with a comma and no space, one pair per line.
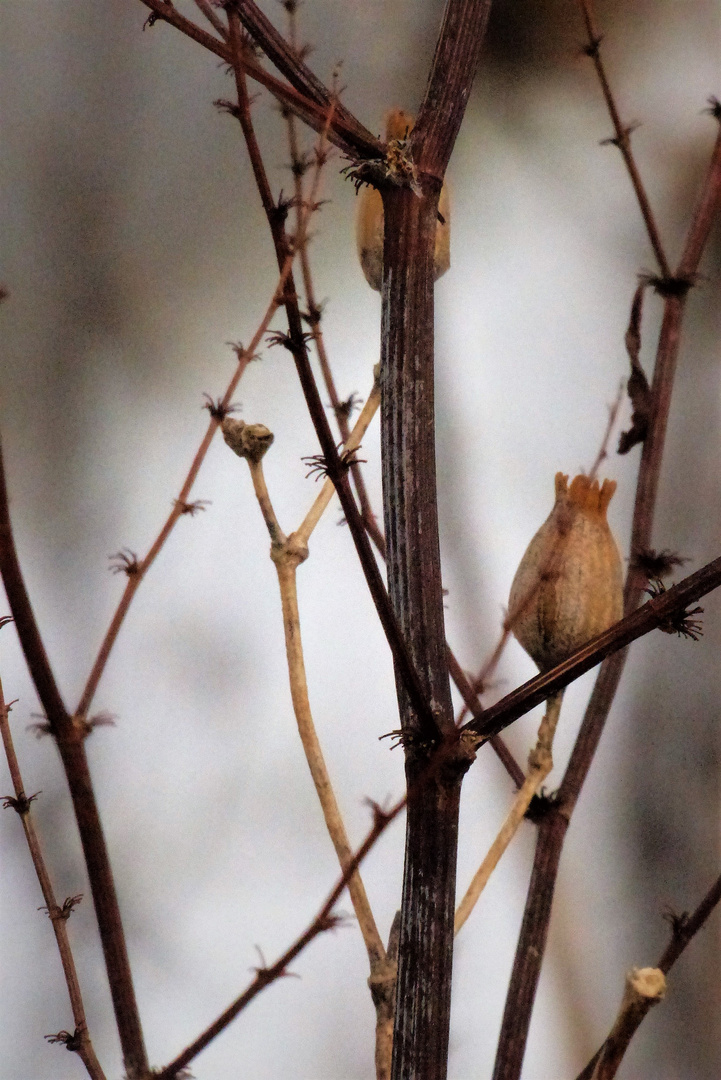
553,826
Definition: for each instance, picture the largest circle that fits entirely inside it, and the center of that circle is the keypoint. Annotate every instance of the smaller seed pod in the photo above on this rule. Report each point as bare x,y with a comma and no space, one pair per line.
250,441
369,216
569,585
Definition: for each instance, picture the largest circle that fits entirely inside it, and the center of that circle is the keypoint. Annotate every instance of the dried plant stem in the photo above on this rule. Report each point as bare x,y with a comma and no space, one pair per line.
286,562
287,554
622,135
425,956
540,763
81,1042
552,829
644,988
70,734
683,929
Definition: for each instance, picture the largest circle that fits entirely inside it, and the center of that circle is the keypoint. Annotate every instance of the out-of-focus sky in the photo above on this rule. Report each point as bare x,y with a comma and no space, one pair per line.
134,251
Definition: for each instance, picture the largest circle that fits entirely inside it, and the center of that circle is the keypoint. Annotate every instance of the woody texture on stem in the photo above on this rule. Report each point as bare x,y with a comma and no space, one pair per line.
224,774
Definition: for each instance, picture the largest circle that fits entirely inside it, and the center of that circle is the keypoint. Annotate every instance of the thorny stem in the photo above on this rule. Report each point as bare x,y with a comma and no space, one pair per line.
540,763
296,344
552,829
683,930
622,138
58,916
69,735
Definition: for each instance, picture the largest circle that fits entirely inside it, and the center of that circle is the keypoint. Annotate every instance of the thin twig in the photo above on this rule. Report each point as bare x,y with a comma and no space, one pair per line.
324,920
80,1039
683,930
69,735
213,18
141,566
622,138
613,412
351,444
540,762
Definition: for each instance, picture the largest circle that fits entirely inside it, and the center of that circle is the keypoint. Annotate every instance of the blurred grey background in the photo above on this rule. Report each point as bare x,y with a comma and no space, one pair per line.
134,249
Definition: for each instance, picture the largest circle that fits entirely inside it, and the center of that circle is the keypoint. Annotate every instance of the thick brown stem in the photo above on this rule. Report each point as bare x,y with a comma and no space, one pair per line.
411,529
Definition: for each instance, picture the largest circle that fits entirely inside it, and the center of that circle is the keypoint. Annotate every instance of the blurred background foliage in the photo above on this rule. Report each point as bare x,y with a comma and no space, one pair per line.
134,250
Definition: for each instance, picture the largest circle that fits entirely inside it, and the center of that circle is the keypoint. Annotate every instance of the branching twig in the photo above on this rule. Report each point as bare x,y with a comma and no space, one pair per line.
69,735
58,915
351,137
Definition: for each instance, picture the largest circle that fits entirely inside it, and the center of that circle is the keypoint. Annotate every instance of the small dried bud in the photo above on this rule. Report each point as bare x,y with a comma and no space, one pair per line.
569,585
369,216
249,441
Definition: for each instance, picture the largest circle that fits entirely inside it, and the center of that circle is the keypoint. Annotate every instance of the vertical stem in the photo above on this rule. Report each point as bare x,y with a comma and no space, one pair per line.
414,576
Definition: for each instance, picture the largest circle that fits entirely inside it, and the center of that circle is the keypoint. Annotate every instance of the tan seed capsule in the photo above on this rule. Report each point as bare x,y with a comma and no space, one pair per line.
569,585
369,217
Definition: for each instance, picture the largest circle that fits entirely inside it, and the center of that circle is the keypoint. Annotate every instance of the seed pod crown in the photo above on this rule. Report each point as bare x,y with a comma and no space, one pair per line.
569,584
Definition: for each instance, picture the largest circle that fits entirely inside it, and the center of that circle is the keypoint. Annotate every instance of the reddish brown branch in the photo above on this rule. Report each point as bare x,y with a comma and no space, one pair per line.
58,915
69,736
531,945
622,135
180,504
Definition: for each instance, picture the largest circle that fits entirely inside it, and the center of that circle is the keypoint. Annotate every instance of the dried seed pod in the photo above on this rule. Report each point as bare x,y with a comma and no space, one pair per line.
250,441
369,217
569,585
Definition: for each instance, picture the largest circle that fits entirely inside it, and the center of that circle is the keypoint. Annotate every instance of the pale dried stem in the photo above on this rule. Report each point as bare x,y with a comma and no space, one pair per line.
58,917
287,553
540,762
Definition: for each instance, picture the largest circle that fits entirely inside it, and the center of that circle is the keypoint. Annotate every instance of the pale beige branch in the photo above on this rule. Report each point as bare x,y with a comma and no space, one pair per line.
540,763
287,553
